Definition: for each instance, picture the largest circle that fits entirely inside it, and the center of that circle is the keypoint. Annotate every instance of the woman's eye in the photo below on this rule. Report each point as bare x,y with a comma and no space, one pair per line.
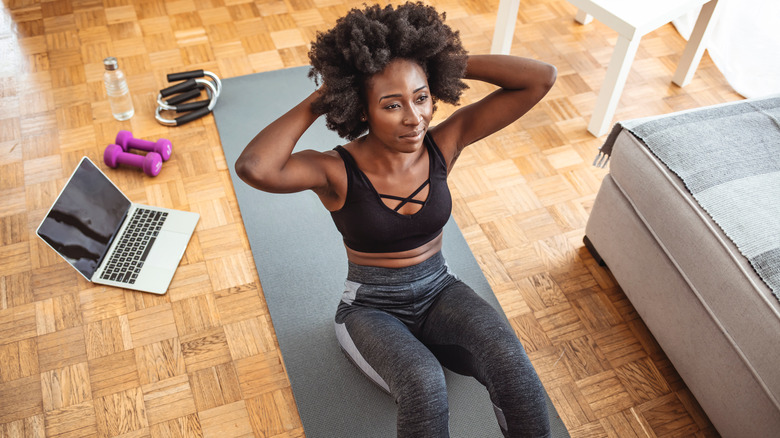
392,106
422,98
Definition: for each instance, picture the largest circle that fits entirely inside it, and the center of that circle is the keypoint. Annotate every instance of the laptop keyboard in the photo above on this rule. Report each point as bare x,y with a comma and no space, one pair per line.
130,253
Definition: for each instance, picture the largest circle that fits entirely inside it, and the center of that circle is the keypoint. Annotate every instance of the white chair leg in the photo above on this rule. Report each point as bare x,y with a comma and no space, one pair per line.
583,17
612,87
505,26
694,50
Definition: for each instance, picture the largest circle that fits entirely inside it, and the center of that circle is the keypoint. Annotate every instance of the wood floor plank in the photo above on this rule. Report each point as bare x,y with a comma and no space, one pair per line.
152,325
159,361
61,348
268,413
15,290
22,398
667,416
261,373
205,349
107,336
182,427
121,412
63,387
195,314
73,421
27,427
215,386
250,337
168,399
18,359
229,421
113,373
626,424
643,380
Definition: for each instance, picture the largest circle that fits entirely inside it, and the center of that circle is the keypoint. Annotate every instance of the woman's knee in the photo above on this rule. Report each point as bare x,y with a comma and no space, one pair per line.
423,410
519,398
421,383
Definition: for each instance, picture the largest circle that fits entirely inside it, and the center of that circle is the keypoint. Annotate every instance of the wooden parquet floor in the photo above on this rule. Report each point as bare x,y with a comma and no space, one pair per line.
78,359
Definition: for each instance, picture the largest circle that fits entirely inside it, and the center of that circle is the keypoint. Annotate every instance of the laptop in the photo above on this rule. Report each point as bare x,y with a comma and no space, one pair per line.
111,240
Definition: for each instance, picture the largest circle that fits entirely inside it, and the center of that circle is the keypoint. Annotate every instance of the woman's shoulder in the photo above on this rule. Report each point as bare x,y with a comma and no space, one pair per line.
326,156
328,161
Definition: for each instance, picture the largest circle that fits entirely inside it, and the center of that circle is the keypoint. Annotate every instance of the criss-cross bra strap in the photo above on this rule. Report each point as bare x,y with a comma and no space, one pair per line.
408,199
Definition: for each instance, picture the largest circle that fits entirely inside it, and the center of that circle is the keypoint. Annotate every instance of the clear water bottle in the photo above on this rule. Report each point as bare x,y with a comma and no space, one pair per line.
117,90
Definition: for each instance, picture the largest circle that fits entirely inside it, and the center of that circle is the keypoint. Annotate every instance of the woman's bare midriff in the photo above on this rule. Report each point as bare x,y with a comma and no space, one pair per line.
400,259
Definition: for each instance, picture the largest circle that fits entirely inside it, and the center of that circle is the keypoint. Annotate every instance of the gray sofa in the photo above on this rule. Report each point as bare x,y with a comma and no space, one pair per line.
715,317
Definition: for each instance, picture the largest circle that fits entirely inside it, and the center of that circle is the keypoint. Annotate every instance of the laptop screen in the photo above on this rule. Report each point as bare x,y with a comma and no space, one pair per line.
84,218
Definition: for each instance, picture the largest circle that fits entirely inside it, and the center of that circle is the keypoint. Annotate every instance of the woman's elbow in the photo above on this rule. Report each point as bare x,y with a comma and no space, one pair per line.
543,81
549,76
247,169
241,167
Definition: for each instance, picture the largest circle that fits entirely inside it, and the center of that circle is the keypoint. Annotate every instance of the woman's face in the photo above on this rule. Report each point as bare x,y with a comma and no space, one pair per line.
399,105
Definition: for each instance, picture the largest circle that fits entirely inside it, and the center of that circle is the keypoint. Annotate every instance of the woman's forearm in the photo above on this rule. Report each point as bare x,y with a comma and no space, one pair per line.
522,84
510,72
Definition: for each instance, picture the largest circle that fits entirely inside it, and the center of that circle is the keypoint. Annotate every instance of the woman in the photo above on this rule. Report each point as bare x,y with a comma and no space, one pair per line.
403,313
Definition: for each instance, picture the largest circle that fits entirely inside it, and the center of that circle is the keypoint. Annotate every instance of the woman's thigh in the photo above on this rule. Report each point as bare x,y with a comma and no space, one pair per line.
470,337
467,334
384,349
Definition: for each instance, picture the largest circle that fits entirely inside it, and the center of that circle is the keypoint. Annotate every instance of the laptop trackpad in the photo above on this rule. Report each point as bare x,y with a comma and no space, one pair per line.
167,249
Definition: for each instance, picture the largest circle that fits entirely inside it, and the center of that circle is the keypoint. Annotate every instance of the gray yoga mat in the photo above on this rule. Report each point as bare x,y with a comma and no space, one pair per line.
302,266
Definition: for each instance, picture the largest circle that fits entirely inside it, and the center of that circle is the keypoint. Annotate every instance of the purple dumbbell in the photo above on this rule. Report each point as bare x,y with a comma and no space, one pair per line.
151,163
162,146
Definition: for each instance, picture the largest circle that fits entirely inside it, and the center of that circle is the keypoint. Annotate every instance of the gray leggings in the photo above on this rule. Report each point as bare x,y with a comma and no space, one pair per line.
399,326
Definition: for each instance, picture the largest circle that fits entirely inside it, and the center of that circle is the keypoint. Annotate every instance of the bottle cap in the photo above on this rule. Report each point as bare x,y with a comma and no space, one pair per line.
110,63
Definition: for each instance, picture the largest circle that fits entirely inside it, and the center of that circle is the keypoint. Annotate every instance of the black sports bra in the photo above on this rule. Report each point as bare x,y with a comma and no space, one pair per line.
368,225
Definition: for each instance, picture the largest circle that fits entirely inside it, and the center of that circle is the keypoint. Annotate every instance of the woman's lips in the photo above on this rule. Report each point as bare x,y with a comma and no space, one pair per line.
413,135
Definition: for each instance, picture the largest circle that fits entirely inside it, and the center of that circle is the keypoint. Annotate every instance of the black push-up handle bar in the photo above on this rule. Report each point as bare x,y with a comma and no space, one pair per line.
189,88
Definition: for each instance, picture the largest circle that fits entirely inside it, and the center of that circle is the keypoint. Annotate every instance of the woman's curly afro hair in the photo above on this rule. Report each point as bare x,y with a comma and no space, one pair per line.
364,42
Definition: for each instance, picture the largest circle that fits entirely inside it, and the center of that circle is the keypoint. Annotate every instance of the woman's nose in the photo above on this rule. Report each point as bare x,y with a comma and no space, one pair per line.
412,116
